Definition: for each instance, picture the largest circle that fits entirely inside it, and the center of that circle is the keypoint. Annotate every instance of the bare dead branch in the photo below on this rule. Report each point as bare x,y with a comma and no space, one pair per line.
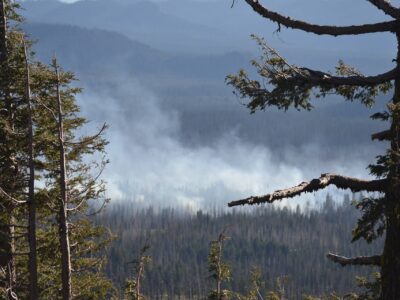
103,204
9,197
89,139
381,136
53,114
89,185
20,253
13,225
386,7
19,236
389,26
341,182
360,260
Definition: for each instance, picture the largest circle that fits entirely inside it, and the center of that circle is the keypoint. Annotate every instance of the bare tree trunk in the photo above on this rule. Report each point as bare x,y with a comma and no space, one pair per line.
33,278
219,269
63,218
3,33
139,275
391,253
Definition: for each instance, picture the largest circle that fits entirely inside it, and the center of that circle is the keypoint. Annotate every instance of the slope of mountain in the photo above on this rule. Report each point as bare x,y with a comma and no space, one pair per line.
140,20
100,52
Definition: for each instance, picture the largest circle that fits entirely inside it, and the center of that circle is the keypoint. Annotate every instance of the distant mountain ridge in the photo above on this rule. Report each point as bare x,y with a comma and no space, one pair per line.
140,20
88,50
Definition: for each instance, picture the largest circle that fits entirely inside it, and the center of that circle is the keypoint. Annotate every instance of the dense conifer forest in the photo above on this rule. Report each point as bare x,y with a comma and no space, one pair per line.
281,241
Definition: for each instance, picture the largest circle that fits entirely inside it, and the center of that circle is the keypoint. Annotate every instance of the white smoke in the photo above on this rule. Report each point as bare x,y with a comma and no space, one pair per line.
151,166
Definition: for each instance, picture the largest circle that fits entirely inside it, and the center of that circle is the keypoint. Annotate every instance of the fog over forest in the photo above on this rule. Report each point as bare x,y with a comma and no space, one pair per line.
178,136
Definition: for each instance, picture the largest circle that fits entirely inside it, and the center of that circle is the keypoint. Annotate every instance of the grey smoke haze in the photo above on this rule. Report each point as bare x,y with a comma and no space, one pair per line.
177,134
151,165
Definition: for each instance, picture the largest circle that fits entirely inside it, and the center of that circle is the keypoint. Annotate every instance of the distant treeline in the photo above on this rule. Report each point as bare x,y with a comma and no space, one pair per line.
282,242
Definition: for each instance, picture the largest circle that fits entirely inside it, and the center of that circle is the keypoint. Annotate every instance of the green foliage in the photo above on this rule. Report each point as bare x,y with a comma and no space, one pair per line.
371,290
220,271
279,292
130,289
132,286
87,240
256,285
274,90
85,190
284,85
371,224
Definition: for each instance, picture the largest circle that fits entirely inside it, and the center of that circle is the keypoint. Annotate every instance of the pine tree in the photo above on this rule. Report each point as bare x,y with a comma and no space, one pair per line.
284,85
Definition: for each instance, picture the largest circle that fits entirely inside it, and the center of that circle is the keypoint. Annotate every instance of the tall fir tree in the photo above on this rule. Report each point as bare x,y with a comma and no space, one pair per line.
13,150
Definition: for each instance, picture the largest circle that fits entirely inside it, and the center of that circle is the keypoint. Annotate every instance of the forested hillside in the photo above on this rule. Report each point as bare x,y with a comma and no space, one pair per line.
280,241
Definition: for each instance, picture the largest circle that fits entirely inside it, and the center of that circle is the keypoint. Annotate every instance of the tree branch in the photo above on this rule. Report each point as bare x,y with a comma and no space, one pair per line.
386,7
12,199
89,139
389,26
381,136
360,260
322,78
341,182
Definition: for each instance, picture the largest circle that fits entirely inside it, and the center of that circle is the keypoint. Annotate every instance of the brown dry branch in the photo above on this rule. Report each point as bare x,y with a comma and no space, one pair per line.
360,260
341,182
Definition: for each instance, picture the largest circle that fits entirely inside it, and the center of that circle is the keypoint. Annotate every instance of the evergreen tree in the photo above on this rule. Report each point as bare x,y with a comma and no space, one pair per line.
48,242
284,85
14,132
71,183
220,270
132,286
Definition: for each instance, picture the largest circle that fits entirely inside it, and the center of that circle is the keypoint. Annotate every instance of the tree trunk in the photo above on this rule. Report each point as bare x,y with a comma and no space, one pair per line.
3,33
139,275
391,253
63,218
33,278
391,258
